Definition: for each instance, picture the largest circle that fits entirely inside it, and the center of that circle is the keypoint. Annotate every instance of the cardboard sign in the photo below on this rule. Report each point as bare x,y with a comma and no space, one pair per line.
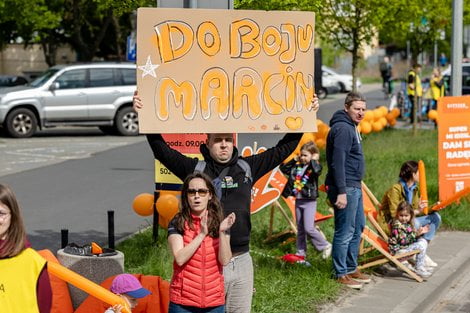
454,145
218,71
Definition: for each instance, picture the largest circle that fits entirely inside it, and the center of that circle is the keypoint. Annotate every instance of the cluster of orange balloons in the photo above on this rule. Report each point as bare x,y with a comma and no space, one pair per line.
319,138
377,119
166,204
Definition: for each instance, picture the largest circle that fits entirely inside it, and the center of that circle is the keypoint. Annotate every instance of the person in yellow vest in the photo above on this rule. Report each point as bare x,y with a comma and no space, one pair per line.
24,281
437,87
414,86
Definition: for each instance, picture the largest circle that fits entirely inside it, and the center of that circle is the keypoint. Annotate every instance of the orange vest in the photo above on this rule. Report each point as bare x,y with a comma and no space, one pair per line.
199,282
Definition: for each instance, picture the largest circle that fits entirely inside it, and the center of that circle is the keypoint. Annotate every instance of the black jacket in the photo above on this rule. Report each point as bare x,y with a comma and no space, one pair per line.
236,193
343,155
310,189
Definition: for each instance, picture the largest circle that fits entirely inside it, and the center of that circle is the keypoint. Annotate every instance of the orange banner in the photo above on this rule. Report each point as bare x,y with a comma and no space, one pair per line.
454,145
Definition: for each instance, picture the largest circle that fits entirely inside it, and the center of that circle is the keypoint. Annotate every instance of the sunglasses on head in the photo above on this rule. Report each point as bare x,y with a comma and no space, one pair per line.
201,192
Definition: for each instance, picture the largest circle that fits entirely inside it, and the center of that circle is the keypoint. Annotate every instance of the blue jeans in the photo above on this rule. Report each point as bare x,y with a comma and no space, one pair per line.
433,220
178,308
349,224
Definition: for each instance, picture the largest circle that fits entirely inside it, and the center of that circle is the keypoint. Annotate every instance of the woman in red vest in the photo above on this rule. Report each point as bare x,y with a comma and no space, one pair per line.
199,239
24,281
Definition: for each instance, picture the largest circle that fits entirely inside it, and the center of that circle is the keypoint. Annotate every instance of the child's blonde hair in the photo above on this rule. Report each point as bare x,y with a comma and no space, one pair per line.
311,147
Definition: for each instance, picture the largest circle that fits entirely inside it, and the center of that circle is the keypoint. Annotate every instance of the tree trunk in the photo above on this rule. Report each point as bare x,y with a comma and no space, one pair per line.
117,30
50,52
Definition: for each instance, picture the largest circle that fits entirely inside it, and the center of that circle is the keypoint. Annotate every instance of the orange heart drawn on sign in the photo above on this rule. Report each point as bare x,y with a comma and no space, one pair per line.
294,122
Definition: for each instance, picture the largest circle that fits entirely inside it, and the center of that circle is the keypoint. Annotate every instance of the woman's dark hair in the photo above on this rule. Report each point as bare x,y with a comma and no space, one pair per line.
16,234
214,208
408,169
405,206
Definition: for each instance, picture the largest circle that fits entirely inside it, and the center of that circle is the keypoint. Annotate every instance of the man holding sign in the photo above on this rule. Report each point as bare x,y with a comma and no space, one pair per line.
224,73
221,156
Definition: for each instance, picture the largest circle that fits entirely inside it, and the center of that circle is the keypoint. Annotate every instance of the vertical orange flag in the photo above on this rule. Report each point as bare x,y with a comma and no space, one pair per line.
423,191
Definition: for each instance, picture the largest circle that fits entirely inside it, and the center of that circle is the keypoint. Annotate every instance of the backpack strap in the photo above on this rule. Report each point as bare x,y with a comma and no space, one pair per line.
200,166
246,168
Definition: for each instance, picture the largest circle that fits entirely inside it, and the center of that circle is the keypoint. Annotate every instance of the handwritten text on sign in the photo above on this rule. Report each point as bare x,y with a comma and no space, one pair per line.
225,70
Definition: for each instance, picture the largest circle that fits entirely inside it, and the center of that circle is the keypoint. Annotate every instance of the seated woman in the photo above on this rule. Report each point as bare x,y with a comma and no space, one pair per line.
406,190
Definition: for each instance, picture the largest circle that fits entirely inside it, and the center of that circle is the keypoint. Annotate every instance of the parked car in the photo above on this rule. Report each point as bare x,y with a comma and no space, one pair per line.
95,94
465,78
12,80
343,81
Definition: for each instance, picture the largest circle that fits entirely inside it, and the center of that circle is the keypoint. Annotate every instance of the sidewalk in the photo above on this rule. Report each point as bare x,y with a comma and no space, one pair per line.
400,294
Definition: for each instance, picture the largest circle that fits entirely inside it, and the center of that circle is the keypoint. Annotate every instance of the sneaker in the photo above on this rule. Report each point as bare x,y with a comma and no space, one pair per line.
348,282
360,277
301,253
421,271
408,266
428,262
326,253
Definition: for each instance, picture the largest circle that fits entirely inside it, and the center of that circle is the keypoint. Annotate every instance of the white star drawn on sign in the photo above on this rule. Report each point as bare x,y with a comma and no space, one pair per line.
148,68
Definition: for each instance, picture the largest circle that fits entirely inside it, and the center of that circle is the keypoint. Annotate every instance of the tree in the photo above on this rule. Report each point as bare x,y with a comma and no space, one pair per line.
28,20
419,24
350,24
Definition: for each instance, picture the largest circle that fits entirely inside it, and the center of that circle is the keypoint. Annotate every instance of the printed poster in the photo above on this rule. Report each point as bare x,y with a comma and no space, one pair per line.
454,145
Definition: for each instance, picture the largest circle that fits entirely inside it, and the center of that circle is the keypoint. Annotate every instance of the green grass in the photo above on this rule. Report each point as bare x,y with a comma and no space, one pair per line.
292,288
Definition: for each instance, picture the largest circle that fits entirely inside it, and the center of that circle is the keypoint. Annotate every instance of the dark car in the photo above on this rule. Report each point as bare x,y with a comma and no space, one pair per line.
12,80
465,79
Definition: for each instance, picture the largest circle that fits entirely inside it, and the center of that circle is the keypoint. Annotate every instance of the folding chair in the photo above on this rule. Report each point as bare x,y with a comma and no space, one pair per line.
381,245
371,209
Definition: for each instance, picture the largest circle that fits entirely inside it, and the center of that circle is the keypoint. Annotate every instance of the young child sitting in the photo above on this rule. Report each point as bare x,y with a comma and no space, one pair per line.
405,238
129,288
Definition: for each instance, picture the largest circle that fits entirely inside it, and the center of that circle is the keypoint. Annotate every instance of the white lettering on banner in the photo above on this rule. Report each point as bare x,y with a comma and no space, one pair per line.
457,106
458,154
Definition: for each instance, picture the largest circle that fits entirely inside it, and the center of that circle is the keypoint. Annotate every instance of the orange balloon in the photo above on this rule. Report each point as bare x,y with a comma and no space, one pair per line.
432,114
167,206
323,130
143,204
366,127
377,114
396,112
306,137
321,143
392,122
163,222
383,109
390,116
369,116
383,120
377,126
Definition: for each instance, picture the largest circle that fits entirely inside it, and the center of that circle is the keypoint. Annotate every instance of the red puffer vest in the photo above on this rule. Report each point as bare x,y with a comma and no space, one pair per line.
199,282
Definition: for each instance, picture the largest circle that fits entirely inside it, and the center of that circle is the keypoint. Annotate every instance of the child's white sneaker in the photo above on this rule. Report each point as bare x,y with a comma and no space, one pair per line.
326,253
408,266
421,271
428,262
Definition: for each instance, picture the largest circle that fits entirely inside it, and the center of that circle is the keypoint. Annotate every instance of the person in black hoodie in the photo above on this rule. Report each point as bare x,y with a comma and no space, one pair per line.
220,154
345,162
302,184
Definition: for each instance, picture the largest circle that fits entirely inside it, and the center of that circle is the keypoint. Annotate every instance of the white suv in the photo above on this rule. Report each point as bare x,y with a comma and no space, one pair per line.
95,94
